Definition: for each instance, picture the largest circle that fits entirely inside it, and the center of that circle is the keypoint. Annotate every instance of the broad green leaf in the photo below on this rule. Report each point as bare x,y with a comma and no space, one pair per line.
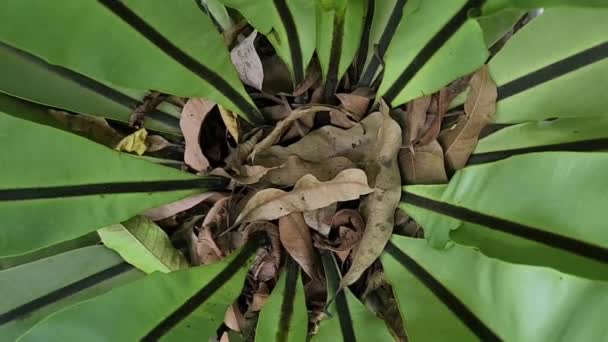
435,43
218,13
382,19
56,186
33,291
289,25
186,305
144,245
27,110
339,30
567,134
349,319
62,247
160,45
459,294
496,26
493,6
29,77
548,207
283,316
565,70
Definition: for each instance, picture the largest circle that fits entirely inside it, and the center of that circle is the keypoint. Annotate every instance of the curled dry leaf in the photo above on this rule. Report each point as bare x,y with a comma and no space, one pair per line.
248,63
194,113
156,143
285,124
379,207
260,297
342,119
134,142
357,101
415,119
295,168
233,317
308,194
239,155
321,219
432,126
423,164
328,142
168,210
348,226
295,237
91,127
250,174
313,77
266,265
459,141
206,248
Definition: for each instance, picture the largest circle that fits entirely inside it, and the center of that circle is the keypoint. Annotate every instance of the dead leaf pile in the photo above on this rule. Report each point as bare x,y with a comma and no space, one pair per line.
317,177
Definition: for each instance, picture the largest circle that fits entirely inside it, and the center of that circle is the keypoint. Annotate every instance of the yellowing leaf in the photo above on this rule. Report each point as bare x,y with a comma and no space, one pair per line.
308,194
230,120
135,142
144,245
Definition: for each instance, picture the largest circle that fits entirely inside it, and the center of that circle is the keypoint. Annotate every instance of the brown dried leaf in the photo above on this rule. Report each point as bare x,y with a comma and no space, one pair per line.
194,113
342,119
295,237
415,119
233,317
308,194
321,219
433,127
239,155
266,265
460,141
295,168
313,76
168,210
260,297
328,142
203,249
248,63
349,225
248,174
156,143
284,125
357,101
379,207
423,164
91,127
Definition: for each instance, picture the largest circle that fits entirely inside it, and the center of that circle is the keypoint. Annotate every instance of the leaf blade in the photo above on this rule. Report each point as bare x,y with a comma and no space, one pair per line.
74,190
487,299
143,244
141,320
149,40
